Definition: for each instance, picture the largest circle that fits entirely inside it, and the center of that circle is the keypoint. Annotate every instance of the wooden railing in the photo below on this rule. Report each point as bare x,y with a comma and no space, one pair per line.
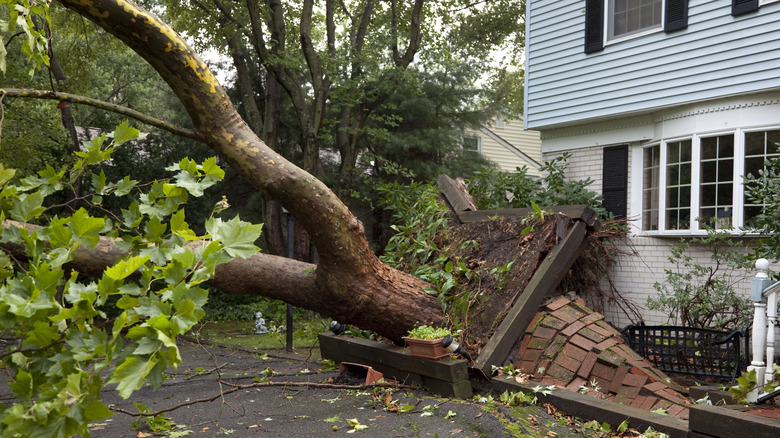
764,295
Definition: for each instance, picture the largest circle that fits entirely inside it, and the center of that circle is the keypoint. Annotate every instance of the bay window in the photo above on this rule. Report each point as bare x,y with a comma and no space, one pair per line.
694,182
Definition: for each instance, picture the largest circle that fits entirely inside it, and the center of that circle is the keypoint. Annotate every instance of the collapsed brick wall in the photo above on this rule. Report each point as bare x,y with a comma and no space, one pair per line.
570,346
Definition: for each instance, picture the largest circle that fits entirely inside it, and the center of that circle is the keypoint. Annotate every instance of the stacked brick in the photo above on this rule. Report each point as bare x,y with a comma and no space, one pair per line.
570,346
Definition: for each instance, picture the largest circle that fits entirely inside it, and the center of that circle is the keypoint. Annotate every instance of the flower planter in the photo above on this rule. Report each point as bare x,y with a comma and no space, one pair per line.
427,348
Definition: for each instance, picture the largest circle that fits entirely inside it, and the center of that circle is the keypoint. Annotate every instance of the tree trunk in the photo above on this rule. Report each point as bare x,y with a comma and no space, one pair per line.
350,283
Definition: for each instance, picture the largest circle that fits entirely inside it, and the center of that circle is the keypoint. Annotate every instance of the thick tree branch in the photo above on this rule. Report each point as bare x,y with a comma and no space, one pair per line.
114,108
352,282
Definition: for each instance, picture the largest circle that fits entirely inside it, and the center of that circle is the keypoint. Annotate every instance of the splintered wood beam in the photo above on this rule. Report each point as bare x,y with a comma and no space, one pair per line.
456,194
581,212
544,280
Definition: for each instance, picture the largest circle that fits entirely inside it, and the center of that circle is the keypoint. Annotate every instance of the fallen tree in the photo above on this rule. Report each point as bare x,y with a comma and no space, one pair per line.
349,277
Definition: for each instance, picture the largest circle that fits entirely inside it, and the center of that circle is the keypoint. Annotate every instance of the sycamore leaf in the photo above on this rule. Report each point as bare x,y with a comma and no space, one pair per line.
86,228
130,375
5,174
124,133
126,267
29,207
237,237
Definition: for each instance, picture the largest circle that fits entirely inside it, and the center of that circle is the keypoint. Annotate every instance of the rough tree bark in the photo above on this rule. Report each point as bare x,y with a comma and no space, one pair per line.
349,283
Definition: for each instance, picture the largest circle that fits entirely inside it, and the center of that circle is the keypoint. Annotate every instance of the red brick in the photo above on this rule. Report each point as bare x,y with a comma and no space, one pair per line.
567,362
620,374
573,328
555,346
580,301
605,372
672,396
575,352
553,322
639,372
532,355
534,322
585,344
593,317
587,365
546,380
649,403
600,330
662,404
543,365
568,314
611,358
557,304
593,336
544,332
561,373
628,391
537,343
606,344
655,386
675,410
524,345
683,415
609,328
632,379
575,384
626,401
528,367
637,403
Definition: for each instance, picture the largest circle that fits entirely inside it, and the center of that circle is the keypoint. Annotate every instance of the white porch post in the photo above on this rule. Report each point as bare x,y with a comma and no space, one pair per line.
759,283
771,316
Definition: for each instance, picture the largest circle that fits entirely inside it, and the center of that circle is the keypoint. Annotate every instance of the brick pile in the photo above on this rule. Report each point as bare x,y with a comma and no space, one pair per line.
571,347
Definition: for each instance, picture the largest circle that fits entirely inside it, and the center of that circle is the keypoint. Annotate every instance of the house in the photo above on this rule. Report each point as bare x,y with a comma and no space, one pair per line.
507,144
665,104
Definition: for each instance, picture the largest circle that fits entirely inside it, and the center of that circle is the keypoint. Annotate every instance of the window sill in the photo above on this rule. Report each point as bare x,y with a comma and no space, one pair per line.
677,234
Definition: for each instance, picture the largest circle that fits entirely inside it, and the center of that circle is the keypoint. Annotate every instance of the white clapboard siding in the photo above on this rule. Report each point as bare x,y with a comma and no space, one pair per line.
717,55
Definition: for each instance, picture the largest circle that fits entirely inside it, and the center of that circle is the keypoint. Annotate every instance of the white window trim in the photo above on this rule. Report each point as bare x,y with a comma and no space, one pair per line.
479,142
738,188
607,18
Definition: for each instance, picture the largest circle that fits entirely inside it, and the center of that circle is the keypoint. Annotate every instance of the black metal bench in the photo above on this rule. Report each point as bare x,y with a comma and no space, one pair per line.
700,352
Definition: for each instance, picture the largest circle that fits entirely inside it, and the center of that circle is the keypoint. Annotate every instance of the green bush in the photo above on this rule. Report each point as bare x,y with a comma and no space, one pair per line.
704,296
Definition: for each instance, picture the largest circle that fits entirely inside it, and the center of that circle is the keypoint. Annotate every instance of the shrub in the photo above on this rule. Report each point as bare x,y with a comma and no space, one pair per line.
704,296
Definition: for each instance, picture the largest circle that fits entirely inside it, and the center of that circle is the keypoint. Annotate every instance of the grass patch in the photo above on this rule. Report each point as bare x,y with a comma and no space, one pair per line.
241,333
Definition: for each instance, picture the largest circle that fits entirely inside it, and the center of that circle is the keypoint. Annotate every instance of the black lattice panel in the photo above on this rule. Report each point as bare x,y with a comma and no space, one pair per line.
699,352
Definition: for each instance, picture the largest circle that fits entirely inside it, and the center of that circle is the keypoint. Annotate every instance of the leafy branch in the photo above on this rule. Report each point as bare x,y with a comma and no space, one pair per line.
100,104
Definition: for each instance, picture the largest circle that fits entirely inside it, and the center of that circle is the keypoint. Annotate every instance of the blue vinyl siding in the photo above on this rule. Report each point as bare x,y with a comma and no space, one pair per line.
717,55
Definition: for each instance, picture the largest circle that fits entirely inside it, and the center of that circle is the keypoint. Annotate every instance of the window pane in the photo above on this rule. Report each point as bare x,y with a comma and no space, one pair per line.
754,143
717,176
709,148
650,172
759,146
632,16
678,184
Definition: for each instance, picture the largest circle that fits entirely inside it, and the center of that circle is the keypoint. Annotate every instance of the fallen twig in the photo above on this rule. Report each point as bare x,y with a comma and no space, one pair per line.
235,387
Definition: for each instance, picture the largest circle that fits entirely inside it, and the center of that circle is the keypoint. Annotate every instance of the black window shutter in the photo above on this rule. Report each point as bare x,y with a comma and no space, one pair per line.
594,25
739,7
615,180
676,15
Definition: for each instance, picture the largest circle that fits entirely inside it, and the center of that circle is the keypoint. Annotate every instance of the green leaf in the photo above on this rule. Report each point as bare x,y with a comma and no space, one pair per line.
124,133
29,207
5,174
87,229
126,267
237,237
180,227
124,186
130,375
